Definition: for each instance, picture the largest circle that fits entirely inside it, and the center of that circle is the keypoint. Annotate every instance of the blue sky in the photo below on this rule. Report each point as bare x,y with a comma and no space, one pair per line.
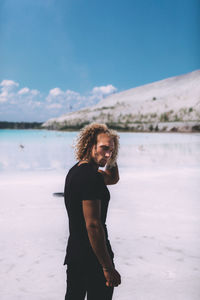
61,55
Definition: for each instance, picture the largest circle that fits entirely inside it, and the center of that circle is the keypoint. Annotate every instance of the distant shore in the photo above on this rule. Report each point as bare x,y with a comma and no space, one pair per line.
181,127
185,127
20,125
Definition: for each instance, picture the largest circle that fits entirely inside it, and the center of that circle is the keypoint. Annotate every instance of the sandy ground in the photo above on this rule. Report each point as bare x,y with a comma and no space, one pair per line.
153,225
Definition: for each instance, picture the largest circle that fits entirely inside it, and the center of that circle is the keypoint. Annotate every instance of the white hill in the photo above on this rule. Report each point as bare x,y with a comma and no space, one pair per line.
172,104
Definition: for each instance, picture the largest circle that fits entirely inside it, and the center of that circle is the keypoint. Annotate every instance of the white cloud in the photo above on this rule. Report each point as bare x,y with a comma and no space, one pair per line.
55,92
17,98
104,90
54,105
35,92
70,100
71,93
7,88
29,103
23,91
3,97
58,94
34,103
8,83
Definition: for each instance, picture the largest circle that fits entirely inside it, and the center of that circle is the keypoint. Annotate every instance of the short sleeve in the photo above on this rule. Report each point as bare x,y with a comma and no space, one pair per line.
90,187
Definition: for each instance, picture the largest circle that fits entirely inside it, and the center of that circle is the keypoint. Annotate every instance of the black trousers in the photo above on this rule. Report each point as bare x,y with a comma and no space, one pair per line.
87,278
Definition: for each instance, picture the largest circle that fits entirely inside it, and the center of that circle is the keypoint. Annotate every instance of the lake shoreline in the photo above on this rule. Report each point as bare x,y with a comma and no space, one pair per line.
162,127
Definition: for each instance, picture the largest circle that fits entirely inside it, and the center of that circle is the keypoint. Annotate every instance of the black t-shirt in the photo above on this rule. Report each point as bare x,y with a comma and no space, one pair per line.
83,183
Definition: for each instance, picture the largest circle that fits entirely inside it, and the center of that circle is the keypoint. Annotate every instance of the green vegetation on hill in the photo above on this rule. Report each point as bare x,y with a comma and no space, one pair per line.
20,125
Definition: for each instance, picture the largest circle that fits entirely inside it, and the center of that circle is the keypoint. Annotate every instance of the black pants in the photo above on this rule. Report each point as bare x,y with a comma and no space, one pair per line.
87,278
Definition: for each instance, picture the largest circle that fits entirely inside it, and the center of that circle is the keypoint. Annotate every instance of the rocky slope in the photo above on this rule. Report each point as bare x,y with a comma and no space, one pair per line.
172,104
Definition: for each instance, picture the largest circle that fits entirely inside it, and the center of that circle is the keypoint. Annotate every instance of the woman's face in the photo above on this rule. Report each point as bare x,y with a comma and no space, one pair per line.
102,151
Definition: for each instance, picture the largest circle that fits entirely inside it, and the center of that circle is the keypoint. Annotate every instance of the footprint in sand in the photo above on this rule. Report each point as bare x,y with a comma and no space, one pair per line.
140,257
21,255
29,270
180,259
36,262
23,289
170,274
10,268
193,256
174,250
148,237
18,279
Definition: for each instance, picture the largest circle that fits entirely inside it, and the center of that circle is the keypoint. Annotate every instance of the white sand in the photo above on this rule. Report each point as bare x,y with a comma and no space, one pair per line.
153,225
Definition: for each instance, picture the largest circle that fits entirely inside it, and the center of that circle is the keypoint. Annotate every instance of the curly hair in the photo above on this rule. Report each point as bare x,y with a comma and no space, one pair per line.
88,137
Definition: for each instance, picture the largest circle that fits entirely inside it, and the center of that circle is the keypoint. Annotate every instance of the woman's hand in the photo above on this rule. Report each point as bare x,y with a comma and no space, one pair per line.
113,278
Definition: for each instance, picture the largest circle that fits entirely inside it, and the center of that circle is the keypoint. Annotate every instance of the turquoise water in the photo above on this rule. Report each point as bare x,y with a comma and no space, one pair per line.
24,135
30,150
